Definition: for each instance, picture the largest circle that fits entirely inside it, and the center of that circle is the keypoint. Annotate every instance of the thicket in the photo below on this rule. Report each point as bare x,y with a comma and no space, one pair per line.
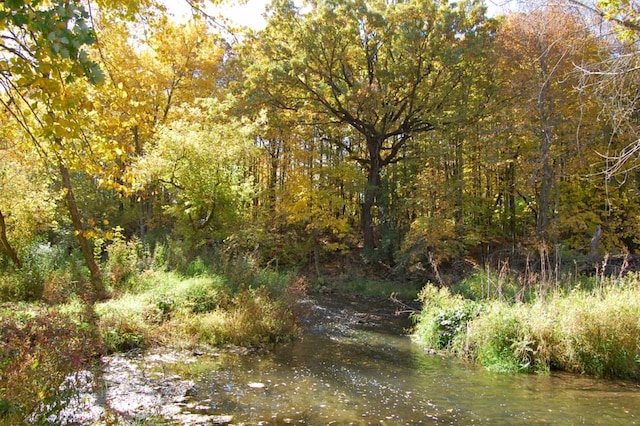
41,347
230,159
590,327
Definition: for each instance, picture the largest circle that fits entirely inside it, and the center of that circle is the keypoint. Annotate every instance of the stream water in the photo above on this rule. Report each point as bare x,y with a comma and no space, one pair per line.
354,365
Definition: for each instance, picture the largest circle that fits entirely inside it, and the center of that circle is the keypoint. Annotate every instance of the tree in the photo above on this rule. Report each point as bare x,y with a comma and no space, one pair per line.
614,79
44,69
624,14
540,50
388,70
26,201
150,73
198,166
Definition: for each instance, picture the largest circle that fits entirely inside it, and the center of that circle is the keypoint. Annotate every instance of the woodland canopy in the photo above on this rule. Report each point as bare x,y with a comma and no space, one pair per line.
407,134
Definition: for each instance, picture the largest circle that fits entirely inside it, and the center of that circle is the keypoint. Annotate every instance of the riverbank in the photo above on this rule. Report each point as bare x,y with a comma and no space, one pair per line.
42,344
594,332
351,364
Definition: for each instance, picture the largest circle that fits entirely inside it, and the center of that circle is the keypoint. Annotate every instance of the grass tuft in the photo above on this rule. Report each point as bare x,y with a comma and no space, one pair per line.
187,311
596,332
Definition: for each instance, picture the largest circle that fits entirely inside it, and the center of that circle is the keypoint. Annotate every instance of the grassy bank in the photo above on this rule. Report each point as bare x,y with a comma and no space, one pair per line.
55,333
596,332
184,311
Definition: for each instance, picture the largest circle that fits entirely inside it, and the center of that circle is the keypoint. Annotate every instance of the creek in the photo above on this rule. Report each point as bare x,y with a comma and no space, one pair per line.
353,365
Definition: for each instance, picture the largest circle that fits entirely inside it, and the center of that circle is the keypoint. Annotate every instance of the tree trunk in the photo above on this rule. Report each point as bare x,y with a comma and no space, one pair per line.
546,184
546,115
6,246
79,230
371,193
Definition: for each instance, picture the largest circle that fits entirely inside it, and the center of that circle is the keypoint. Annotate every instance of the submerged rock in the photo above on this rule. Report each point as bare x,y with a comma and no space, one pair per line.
134,387
256,385
202,419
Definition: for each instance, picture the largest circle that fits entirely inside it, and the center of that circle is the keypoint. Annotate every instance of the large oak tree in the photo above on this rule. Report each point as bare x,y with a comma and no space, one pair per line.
388,70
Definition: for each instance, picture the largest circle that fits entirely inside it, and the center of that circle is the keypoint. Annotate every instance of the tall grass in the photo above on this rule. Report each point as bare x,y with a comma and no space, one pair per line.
174,310
593,331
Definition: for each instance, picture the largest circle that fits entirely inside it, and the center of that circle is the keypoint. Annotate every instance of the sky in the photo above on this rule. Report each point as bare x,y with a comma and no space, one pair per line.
250,14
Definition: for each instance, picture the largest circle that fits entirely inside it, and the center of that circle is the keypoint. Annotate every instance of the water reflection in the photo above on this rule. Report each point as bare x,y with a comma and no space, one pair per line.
347,371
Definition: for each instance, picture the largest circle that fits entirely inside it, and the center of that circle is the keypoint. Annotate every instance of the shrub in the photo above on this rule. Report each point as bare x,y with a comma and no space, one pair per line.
196,268
600,333
595,332
192,295
252,318
127,322
501,339
49,272
443,317
183,311
123,258
39,347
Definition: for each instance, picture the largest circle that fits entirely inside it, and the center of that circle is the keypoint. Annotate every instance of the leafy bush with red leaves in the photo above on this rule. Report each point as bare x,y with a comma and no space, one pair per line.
40,346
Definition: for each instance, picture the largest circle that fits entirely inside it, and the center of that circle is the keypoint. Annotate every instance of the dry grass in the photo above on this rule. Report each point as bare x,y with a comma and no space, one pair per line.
187,311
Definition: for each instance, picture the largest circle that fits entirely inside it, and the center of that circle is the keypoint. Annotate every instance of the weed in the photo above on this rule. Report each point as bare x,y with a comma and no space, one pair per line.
443,318
185,311
252,318
123,258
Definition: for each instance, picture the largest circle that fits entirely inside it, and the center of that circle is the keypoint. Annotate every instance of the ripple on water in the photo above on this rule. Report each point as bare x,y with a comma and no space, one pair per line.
352,368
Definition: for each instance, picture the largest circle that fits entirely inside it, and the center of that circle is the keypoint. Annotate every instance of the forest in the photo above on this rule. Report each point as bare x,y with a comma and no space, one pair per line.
407,134
401,142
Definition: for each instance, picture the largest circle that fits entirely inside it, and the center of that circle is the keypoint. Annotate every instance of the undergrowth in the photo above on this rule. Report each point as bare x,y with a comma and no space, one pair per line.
48,332
186,311
40,346
594,331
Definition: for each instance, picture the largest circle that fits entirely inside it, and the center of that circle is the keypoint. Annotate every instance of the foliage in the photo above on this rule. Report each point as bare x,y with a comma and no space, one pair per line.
41,31
190,167
593,332
252,318
26,201
39,347
387,71
49,272
200,165
443,318
123,258
175,310
369,287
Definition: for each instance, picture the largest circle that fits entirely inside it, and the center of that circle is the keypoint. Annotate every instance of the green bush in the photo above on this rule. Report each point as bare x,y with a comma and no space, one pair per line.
253,318
501,339
48,271
127,322
123,259
443,318
197,268
595,332
600,332
192,295
185,311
